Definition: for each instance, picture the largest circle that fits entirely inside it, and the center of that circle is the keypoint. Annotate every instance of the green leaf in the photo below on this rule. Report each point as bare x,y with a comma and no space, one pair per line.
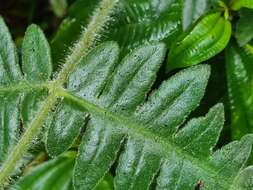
145,21
238,150
239,76
193,9
106,183
134,23
167,108
54,174
238,4
244,27
36,58
66,123
98,149
21,95
137,165
9,68
9,126
64,129
9,74
123,93
37,68
244,179
143,135
194,134
206,39
154,141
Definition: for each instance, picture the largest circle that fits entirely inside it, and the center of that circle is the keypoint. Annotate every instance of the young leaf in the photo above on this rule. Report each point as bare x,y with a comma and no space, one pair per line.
206,39
238,4
193,9
239,76
244,27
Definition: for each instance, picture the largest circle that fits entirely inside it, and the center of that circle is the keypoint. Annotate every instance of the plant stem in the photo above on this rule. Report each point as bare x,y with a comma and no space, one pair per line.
88,37
24,87
26,139
79,50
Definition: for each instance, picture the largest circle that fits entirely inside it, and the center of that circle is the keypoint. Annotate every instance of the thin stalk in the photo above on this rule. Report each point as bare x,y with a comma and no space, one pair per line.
18,151
88,37
79,50
24,87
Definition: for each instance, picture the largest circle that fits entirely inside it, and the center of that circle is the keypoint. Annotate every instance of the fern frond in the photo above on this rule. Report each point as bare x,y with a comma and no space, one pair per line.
11,73
144,134
36,69
156,150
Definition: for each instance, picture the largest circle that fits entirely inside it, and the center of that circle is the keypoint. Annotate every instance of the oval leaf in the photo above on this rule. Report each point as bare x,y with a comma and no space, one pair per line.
36,58
209,37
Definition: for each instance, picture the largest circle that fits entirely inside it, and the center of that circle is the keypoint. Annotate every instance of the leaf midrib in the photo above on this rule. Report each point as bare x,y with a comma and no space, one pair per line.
87,38
24,86
137,130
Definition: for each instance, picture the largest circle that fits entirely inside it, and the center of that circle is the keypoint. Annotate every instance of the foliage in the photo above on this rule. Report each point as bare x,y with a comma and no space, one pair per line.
118,111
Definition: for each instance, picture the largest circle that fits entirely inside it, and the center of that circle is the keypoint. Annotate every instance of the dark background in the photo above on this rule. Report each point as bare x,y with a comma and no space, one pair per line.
18,14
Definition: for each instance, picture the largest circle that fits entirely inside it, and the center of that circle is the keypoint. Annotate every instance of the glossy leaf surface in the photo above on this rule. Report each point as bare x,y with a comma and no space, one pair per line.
134,23
121,114
239,76
206,39
122,93
103,107
66,123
